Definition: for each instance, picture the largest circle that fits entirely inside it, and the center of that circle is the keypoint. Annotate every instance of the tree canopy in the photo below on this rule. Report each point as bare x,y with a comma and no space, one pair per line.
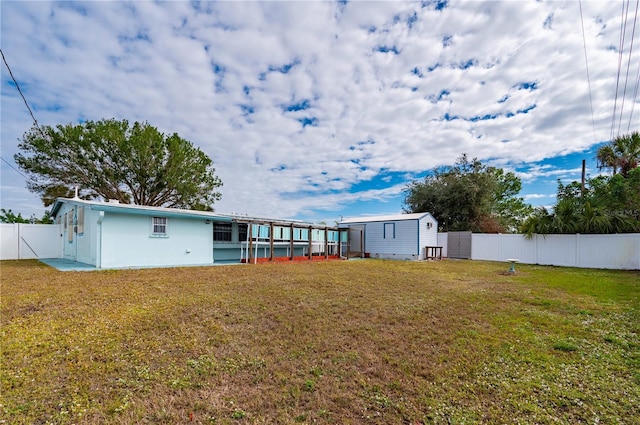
622,154
469,196
111,159
609,204
8,216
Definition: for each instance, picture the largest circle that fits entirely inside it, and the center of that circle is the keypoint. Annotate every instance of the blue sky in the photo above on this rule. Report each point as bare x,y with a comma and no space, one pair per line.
322,110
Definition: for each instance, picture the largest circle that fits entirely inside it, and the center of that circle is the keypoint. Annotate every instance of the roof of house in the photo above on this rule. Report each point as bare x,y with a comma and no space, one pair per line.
122,208
391,217
138,209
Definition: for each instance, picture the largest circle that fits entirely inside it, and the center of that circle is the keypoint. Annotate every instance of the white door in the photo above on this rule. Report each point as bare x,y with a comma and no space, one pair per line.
70,235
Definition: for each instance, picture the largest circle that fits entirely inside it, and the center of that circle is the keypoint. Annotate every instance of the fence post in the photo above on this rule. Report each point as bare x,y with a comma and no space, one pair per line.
577,249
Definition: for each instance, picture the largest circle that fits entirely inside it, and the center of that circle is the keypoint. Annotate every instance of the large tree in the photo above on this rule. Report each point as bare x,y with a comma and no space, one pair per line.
469,196
112,159
622,154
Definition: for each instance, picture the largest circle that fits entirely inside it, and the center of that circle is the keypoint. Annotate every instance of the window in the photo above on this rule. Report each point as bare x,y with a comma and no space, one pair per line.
301,234
281,233
80,220
159,226
389,231
222,232
70,227
242,232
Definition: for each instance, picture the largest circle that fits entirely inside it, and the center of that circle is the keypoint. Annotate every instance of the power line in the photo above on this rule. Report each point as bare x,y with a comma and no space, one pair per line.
623,25
15,169
624,92
35,121
635,96
586,62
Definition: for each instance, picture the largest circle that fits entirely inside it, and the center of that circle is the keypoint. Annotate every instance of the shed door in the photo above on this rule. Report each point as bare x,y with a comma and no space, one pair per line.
356,241
459,245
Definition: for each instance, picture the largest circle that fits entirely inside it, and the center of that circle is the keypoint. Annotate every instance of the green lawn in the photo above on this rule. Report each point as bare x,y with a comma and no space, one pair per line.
343,342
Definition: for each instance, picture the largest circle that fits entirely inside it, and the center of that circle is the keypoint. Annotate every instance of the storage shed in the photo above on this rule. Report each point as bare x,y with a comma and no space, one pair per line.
399,236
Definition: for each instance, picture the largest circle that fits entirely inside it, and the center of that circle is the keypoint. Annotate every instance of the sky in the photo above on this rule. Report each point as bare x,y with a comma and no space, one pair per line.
322,110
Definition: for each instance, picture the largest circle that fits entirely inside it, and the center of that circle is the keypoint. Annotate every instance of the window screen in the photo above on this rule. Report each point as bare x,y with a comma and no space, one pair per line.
160,225
242,232
222,232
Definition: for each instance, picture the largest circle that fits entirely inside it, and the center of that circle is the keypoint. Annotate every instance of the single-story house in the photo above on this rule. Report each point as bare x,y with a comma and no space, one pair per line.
399,236
116,235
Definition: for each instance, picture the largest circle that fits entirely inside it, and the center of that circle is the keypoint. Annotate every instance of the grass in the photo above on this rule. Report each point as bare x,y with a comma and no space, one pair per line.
379,342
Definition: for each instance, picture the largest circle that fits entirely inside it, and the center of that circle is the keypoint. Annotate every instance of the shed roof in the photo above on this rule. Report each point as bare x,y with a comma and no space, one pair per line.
391,217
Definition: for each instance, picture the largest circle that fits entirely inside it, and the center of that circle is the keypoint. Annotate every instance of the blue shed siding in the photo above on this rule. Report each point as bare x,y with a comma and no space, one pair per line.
399,241
403,239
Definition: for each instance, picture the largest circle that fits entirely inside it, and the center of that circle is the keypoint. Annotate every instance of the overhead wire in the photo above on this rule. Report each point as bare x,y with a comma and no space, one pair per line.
15,169
586,62
624,91
35,121
635,96
623,26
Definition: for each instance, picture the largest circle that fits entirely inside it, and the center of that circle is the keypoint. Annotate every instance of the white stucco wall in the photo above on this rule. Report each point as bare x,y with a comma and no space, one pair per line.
126,241
82,246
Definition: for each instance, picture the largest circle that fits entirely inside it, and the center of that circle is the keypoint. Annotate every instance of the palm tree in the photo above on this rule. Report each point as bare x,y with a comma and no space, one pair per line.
622,153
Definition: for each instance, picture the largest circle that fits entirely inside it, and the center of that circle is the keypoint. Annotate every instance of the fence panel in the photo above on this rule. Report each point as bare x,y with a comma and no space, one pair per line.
617,251
443,241
556,250
40,241
501,247
26,241
610,251
9,241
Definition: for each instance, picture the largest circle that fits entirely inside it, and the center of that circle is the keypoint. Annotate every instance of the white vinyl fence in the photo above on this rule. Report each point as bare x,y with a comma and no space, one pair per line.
23,241
618,251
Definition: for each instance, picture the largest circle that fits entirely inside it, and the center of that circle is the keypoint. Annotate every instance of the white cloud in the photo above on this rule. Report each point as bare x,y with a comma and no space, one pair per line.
531,196
509,76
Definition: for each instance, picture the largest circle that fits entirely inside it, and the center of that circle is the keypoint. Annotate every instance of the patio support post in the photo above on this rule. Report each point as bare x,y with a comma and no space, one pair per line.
250,230
326,243
291,244
271,241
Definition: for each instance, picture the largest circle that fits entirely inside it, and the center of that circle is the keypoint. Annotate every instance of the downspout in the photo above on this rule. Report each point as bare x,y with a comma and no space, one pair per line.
99,247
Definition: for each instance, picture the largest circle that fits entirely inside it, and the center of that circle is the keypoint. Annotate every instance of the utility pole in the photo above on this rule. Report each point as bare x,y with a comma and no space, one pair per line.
584,166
